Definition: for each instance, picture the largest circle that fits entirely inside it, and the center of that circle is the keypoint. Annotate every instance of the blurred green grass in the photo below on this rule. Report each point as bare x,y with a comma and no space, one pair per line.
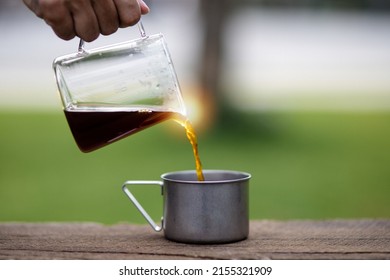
305,165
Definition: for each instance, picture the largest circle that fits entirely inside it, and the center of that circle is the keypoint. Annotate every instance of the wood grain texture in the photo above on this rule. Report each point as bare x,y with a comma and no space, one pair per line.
330,239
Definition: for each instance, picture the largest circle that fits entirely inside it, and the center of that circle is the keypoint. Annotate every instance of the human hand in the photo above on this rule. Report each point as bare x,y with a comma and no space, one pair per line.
87,18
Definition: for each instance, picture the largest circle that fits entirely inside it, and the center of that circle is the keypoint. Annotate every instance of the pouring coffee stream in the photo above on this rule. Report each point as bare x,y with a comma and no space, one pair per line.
115,91
191,135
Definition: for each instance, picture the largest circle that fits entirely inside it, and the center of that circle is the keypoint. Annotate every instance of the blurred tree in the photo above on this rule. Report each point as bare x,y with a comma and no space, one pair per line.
214,13
214,16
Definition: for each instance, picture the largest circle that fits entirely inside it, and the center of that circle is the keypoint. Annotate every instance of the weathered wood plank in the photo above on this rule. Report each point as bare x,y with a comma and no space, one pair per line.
334,239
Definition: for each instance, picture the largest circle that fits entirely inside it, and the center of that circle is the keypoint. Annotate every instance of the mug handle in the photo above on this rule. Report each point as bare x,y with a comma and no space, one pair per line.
137,204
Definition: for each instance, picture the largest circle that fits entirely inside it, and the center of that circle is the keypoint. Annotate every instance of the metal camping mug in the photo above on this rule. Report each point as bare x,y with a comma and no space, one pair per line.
212,211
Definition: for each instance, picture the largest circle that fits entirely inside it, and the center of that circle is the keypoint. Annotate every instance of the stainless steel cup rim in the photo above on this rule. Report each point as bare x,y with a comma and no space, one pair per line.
212,176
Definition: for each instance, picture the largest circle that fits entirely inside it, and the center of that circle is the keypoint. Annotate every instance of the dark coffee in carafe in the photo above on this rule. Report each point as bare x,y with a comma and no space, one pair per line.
95,129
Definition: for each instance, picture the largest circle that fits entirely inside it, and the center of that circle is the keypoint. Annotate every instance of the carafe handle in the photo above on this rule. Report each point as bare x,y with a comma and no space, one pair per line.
137,204
82,50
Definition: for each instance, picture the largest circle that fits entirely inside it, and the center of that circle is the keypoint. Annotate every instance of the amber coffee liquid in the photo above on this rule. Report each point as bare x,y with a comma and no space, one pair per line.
191,135
95,129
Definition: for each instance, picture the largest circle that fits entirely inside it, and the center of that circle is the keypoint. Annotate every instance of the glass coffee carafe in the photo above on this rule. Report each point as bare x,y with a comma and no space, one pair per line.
114,91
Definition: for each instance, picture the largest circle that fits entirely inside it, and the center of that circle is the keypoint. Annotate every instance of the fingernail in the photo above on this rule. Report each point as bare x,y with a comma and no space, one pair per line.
144,7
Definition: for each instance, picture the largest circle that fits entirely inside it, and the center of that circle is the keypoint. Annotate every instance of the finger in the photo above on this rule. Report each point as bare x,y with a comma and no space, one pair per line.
129,12
144,8
107,16
85,21
61,21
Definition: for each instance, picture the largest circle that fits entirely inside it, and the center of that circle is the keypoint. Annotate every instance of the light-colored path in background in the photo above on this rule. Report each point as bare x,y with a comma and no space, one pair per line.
274,58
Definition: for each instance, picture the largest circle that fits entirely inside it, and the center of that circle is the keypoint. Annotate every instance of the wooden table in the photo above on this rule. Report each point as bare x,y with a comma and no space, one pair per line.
301,239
